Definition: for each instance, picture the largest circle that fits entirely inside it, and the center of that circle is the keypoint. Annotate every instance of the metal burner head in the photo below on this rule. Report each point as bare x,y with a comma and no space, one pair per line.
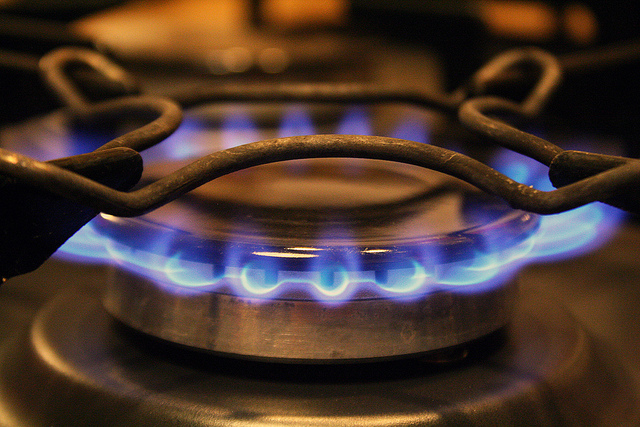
320,260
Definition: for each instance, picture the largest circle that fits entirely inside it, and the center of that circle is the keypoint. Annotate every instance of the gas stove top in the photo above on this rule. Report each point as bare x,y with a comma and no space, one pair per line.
303,290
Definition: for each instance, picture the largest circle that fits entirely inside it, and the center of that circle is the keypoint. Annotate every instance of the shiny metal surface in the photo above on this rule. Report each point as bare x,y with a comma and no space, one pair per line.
307,330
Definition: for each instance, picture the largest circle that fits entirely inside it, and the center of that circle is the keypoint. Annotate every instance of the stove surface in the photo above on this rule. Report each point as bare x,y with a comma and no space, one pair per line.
546,370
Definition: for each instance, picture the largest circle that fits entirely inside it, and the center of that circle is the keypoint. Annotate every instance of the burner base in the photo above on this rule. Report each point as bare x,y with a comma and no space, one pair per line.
79,367
308,331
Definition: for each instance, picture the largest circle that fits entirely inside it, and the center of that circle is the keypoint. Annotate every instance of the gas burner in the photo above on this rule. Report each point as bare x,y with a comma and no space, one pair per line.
323,260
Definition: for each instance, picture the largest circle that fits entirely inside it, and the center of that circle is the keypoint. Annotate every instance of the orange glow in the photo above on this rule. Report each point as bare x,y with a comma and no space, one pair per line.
303,13
526,20
580,24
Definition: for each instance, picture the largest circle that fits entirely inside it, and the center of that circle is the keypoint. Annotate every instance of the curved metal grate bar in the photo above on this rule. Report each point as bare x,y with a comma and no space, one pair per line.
603,177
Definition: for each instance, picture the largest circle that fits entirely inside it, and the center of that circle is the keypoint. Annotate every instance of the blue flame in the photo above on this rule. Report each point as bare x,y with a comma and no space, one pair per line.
179,145
559,236
239,128
87,245
296,121
338,281
566,234
412,129
405,281
356,121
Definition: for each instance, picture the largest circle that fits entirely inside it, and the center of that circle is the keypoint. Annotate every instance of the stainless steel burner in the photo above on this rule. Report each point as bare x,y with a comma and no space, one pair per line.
298,330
